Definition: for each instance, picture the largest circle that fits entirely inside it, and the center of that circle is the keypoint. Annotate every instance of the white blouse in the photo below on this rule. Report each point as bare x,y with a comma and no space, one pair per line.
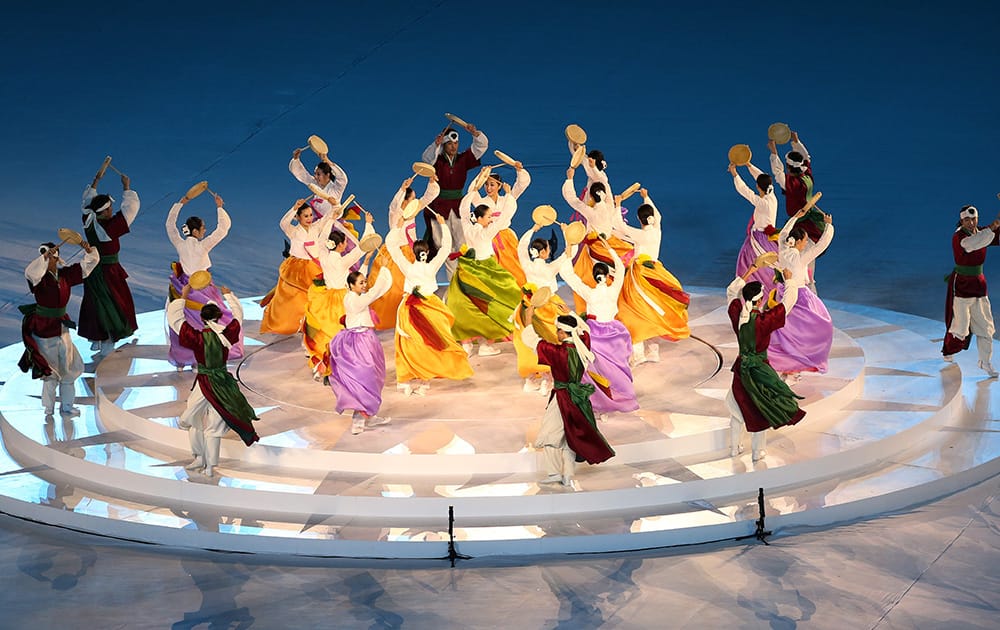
191,252
418,275
334,188
765,209
602,300
357,309
647,238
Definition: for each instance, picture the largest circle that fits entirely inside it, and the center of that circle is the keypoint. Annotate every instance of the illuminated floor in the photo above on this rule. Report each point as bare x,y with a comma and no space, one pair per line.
888,426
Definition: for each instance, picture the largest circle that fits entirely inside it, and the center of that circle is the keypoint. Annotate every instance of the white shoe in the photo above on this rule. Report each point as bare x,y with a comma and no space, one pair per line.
377,421
567,481
734,451
987,367
357,426
209,471
69,411
405,388
197,464
422,390
488,350
554,478
467,346
948,358
545,387
530,385
653,353
603,417
759,455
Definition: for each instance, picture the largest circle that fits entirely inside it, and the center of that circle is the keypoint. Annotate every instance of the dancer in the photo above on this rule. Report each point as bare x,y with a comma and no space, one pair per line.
569,431
482,294
610,340
604,220
761,227
534,254
107,312
758,399
217,404
503,209
325,298
452,170
193,247
328,176
386,306
285,305
652,303
967,308
798,185
357,362
49,352
425,347
803,344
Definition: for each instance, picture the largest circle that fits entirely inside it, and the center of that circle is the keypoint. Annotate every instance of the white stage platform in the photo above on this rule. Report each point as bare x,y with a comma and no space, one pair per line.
889,426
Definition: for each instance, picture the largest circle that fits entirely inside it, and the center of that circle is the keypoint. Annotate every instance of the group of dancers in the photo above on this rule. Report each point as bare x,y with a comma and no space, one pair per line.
500,287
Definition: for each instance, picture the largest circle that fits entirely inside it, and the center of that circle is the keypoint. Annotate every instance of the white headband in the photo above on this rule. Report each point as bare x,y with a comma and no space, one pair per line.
586,355
450,136
106,205
968,213
792,162
748,307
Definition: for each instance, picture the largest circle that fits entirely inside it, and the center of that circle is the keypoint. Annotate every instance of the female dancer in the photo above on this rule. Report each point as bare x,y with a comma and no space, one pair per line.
425,347
357,362
193,247
285,304
602,219
652,302
534,254
761,227
609,338
803,344
328,176
325,298
482,294
503,208
385,307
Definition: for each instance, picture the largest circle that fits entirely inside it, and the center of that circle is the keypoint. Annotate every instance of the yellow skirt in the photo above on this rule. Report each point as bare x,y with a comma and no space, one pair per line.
285,304
544,323
505,250
425,347
385,307
593,250
322,322
652,303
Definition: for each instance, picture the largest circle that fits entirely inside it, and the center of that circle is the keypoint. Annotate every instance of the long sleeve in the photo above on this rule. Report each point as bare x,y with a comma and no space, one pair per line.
286,222
382,285
754,171
523,246
339,183
463,218
594,174
35,270
979,240
778,170
479,145
88,195
521,183
573,280
787,229
801,148
220,231
90,261
393,245
300,173
234,305
619,280
743,189
355,254
175,237
175,314
432,192
735,288
530,338
443,251
431,153
813,250
569,194
396,205
130,205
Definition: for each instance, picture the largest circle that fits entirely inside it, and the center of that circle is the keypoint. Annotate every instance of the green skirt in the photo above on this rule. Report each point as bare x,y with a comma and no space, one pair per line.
482,297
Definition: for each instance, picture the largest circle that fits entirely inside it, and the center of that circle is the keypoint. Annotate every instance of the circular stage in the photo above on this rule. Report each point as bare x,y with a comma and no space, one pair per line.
888,426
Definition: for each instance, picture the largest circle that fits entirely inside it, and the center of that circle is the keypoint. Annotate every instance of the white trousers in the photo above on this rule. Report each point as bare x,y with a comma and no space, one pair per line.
559,459
454,225
974,315
67,366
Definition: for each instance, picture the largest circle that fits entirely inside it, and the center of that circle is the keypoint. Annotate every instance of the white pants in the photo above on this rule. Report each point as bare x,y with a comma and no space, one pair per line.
67,366
976,316
454,225
205,427
559,458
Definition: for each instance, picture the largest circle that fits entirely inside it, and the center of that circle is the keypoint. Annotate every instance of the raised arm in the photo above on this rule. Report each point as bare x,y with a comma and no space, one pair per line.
382,285
777,167
740,185
286,221
619,280
130,201
339,183
479,142
431,193
221,228
569,194
299,171
394,241
521,182
523,244
573,280
172,232
813,250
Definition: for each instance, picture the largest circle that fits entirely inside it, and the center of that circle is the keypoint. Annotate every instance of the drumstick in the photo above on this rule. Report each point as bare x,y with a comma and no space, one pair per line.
112,167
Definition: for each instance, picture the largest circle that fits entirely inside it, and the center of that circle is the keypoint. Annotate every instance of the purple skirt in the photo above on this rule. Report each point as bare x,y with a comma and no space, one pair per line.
612,347
177,354
755,244
357,370
803,343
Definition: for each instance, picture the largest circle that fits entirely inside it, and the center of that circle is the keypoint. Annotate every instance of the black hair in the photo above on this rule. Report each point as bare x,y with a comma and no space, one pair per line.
644,212
797,233
304,206
598,157
337,237
601,269
751,289
194,223
480,211
409,191
210,313
540,244
353,277
326,168
420,246
98,201
496,176
764,181
796,157
567,320
597,187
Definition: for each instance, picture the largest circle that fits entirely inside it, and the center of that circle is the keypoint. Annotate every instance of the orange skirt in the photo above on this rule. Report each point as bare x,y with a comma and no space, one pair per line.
425,347
593,250
285,304
324,309
385,307
505,249
544,323
653,303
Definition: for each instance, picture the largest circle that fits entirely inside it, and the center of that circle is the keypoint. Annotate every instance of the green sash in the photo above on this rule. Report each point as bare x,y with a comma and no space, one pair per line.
224,387
772,396
109,316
